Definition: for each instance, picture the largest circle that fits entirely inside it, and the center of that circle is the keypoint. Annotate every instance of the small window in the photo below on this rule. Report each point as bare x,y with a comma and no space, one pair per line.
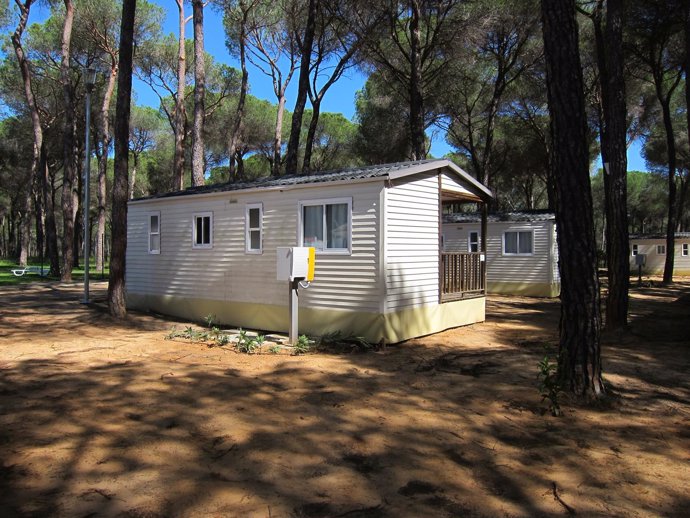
518,243
326,225
684,251
660,249
155,233
253,228
202,231
473,242
634,250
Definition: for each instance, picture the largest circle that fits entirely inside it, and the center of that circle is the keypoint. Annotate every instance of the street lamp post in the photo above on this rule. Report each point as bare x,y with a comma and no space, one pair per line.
89,82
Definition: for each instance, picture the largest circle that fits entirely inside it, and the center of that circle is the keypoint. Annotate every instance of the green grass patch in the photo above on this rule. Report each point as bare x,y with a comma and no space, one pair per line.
7,278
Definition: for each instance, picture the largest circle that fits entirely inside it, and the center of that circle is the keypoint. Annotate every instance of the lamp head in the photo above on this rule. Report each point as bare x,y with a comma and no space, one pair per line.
90,78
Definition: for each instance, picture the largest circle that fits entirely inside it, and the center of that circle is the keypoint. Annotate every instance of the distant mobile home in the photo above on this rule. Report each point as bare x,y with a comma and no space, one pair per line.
380,270
521,250
653,247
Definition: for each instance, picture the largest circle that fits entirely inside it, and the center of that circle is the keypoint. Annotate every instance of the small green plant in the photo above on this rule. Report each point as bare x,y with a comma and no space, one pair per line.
210,319
549,386
174,333
274,349
302,345
247,344
189,333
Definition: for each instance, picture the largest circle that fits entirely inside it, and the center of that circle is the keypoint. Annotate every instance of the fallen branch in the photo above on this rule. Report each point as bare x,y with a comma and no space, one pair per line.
558,499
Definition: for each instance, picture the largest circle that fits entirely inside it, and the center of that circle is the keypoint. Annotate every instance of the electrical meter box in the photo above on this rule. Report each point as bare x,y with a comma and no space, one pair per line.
640,259
295,263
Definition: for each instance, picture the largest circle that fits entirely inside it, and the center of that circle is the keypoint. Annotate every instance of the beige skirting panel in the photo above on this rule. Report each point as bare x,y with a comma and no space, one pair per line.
526,289
393,327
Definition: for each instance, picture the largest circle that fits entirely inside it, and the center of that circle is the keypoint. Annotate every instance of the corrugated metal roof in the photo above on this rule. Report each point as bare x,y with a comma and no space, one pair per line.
475,217
356,173
659,235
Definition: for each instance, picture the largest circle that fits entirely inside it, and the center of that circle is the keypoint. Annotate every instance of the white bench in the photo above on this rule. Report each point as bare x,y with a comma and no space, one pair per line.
18,272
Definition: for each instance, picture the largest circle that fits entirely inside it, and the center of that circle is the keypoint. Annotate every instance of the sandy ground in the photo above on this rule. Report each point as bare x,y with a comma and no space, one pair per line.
107,418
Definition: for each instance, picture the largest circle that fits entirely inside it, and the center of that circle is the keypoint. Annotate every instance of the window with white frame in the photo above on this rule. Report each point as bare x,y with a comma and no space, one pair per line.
154,233
518,242
634,250
326,225
660,249
473,241
253,218
684,250
202,230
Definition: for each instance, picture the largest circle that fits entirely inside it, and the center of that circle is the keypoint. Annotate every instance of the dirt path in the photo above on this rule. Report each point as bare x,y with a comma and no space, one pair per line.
103,418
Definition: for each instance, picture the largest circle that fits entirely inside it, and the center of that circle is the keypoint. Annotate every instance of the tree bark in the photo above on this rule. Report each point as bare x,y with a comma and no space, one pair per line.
133,174
613,135
311,134
180,115
69,204
199,94
49,204
238,128
277,140
302,89
579,366
39,216
686,30
671,221
416,97
116,282
104,139
33,172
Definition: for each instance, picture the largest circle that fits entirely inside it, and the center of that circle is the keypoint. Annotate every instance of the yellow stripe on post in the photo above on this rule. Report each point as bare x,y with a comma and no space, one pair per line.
311,263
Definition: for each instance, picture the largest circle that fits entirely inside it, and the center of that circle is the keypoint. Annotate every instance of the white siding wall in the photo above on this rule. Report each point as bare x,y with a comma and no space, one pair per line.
654,261
226,272
412,242
537,268
554,252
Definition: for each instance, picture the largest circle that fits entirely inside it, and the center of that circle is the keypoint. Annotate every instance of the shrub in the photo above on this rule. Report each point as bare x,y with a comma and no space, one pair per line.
303,345
549,386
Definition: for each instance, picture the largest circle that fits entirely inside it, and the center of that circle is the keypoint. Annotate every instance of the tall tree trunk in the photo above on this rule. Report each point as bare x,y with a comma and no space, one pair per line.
671,150
23,62
49,204
199,94
579,368
613,146
238,128
311,134
302,89
277,140
416,97
686,29
133,175
116,281
180,115
69,158
104,140
39,216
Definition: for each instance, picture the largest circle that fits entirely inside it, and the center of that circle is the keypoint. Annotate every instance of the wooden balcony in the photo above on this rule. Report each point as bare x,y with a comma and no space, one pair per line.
463,276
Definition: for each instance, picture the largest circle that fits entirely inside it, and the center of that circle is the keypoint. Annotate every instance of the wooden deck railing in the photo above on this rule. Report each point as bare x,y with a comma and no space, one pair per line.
462,275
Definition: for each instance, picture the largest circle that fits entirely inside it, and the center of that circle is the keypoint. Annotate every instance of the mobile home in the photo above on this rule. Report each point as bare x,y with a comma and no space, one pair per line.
380,270
521,250
653,248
